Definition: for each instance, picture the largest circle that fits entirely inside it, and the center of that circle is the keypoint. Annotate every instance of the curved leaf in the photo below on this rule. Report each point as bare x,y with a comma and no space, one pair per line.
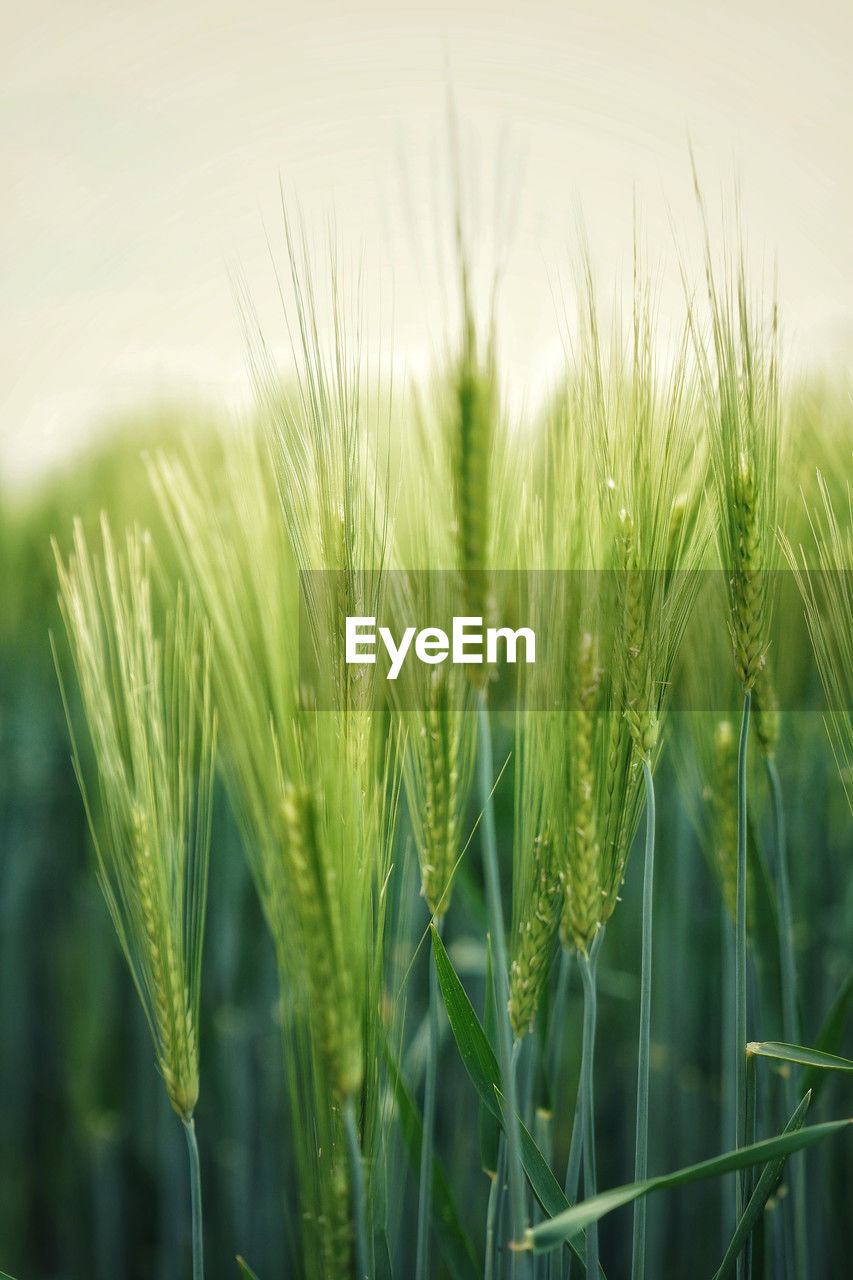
456,1247
799,1055
831,1034
547,1235
482,1067
765,1187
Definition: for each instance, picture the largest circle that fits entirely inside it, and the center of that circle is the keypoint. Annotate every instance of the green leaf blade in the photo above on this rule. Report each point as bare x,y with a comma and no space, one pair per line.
765,1187
556,1231
456,1247
831,1035
482,1068
800,1055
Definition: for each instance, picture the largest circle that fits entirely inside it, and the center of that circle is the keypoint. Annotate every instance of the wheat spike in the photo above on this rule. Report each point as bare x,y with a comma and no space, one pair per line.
147,702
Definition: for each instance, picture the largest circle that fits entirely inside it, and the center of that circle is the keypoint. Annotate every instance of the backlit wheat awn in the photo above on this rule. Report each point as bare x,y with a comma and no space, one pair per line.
315,789
825,579
147,702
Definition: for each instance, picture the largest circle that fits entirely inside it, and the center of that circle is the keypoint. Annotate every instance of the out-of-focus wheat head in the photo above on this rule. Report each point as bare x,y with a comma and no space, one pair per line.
146,697
327,439
825,579
479,463
626,525
640,427
537,881
439,765
312,769
432,703
739,370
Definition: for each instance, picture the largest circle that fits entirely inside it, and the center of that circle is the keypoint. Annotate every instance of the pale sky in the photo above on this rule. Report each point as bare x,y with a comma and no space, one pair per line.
142,144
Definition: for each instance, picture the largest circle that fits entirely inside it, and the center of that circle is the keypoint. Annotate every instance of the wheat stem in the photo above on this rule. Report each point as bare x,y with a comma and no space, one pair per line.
195,1196
588,975
427,1145
749,1063
641,1148
786,932
555,1037
573,1166
728,1139
517,1048
543,1136
788,971
492,1210
740,960
359,1217
500,976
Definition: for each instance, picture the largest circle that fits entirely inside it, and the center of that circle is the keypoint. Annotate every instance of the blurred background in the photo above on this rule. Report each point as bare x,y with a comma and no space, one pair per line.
142,146
146,151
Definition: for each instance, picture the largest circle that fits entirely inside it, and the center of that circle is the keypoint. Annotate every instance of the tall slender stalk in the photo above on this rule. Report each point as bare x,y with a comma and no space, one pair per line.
500,975
573,1165
740,957
195,1196
427,1145
788,971
359,1213
588,975
641,1146
492,1215
751,1107
728,1220
786,932
578,1141
500,1220
543,1136
555,1037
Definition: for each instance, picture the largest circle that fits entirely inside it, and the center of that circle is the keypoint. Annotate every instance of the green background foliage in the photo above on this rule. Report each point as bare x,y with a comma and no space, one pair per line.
92,1169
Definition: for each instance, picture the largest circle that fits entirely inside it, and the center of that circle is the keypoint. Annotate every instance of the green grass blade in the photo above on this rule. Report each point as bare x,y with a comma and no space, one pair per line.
456,1247
567,1225
245,1270
482,1068
831,1034
477,1056
800,1055
764,1188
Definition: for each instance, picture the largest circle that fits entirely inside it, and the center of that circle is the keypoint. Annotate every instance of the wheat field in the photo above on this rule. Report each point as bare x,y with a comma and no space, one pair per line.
491,968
